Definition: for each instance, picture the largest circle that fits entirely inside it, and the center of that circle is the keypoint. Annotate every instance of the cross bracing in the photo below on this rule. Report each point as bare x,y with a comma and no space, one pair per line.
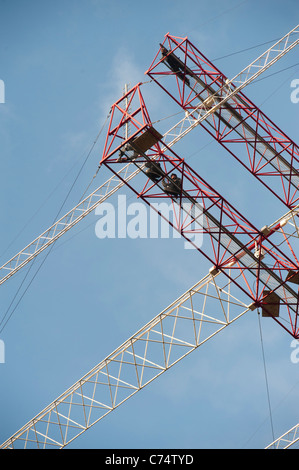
233,120
195,317
81,407
286,440
182,128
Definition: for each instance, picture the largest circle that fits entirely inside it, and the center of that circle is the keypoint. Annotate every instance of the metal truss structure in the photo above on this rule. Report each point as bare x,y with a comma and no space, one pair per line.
233,120
287,440
260,269
248,270
201,90
65,223
197,316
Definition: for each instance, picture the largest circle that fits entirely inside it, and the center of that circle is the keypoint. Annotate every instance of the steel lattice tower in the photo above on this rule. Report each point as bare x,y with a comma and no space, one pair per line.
244,259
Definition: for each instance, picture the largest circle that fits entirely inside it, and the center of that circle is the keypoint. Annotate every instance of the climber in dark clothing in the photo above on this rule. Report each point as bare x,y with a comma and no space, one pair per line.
127,153
174,64
153,171
172,186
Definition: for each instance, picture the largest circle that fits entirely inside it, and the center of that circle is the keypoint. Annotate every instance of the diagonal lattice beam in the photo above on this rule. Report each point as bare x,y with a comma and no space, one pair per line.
217,104
287,440
204,112
194,318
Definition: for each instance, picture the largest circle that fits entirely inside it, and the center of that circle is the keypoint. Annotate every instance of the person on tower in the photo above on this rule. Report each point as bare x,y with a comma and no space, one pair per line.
174,63
153,170
172,186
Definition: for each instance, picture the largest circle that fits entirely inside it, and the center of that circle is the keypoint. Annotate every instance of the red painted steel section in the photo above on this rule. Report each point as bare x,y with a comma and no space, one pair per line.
239,125
128,110
231,243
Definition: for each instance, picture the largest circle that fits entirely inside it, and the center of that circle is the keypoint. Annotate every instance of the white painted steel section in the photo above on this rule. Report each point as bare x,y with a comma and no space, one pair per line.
177,132
287,440
195,317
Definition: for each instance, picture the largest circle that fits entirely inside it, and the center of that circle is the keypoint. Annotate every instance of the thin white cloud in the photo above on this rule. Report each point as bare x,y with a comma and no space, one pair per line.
123,70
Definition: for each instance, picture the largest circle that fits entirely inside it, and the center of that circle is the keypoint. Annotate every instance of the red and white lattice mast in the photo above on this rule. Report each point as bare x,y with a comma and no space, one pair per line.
231,118
248,258
232,244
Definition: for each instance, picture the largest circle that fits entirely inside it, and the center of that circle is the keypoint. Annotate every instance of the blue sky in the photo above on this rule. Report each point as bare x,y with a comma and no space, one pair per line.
64,63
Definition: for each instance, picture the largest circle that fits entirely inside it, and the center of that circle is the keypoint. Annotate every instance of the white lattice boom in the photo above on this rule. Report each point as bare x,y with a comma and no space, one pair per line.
172,136
191,320
287,440
187,323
